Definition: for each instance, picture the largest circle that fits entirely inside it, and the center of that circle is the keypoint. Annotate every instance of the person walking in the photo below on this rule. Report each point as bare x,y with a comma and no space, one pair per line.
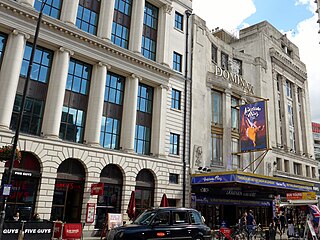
251,222
283,222
276,222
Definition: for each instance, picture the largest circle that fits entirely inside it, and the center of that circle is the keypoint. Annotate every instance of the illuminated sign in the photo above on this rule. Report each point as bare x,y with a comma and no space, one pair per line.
233,78
301,196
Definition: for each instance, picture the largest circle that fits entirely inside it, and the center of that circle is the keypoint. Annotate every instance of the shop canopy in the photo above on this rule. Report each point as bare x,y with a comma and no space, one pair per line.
245,178
298,203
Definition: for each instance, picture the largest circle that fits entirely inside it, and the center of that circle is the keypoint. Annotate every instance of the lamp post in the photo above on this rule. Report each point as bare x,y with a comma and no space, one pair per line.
20,116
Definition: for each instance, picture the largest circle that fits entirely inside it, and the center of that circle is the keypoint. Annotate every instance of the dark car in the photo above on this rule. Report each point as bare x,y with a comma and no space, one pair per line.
164,223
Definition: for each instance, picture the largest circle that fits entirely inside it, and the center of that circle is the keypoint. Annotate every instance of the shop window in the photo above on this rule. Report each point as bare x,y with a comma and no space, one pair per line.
173,178
110,202
112,111
178,21
144,191
88,15
68,192
216,106
25,182
176,99
174,143
121,23
177,61
51,8
37,90
150,31
214,53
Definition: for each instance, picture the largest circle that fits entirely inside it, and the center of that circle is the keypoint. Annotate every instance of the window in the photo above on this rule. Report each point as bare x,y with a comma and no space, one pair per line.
173,178
41,66
72,124
297,169
178,21
286,166
145,96
112,111
177,61
3,40
88,15
162,219
174,144
235,156
150,31
32,115
313,169
37,92
214,53
75,101
307,171
142,140
279,165
121,23
234,113
279,78
176,99
180,217
51,8
216,150
224,61
216,98
195,218
237,66
289,89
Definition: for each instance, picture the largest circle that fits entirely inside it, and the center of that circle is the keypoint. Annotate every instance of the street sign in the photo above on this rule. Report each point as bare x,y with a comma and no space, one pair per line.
6,189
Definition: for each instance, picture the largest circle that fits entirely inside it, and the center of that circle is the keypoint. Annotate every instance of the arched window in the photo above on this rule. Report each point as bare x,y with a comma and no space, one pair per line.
144,191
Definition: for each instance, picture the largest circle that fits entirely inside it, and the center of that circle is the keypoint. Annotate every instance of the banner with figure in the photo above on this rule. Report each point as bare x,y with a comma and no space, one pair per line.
253,127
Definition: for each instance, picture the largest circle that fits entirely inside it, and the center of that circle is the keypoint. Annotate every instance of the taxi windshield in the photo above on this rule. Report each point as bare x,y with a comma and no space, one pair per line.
145,218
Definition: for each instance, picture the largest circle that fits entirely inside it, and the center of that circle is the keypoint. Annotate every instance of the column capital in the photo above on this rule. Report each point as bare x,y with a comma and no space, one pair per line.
167,8
135,76
17,32
102,64
63,49
166,87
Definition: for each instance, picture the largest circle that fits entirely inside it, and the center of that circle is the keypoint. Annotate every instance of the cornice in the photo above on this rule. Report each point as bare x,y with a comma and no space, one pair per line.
287,64
56,25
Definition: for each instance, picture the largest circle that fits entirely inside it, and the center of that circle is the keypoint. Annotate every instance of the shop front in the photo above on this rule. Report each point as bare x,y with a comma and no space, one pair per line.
225,196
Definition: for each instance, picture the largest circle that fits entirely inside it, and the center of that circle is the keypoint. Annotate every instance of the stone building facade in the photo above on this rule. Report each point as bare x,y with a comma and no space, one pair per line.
107,104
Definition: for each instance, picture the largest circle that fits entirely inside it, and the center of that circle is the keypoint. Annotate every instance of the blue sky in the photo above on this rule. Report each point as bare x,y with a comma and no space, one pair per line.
296,18
283,14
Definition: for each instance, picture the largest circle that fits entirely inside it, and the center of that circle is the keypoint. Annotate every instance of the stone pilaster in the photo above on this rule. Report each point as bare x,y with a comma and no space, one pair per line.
28,3
136,26
69,11
164,34
95,104
9,74
106,19
56,92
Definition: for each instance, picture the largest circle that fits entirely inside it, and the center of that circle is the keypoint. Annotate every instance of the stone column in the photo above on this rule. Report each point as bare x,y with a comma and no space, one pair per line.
136,26
106,19
284,112
164,34
129,113
56,92
158,133
69,11
297,120
28,3
95,104
226,138
9,75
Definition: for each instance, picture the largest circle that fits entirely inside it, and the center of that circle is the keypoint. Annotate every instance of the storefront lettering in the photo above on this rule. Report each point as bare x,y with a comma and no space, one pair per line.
233,78
10,231
68,185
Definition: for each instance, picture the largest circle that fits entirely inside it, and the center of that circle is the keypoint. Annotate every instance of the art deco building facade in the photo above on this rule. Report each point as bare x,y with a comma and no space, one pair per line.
106,104
261,65
316,139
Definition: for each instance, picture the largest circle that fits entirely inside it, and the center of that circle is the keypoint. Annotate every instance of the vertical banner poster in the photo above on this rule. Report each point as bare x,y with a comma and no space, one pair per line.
253,127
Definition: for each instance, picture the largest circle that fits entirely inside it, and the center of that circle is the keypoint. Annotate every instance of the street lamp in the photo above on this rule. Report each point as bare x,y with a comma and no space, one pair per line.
20,116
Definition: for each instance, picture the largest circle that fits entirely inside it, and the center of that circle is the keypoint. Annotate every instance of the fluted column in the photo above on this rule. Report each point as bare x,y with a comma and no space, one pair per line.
226,149
95,104
56,92
158,133
9,74
136,26
106,19
164,33
69,11
129,113
28,3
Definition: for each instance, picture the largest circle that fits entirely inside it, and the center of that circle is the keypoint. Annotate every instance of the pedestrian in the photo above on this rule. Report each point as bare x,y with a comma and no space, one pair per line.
282,220
243,221
16,217
276,222
251,222
36,217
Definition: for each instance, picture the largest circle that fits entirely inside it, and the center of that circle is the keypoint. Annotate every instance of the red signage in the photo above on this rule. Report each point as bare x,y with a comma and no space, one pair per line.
97,189
91,207
57,230
72,231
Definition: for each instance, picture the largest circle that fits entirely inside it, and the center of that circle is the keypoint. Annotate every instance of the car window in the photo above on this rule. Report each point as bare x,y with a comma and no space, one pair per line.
162,218
180,217
195,218
145,218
